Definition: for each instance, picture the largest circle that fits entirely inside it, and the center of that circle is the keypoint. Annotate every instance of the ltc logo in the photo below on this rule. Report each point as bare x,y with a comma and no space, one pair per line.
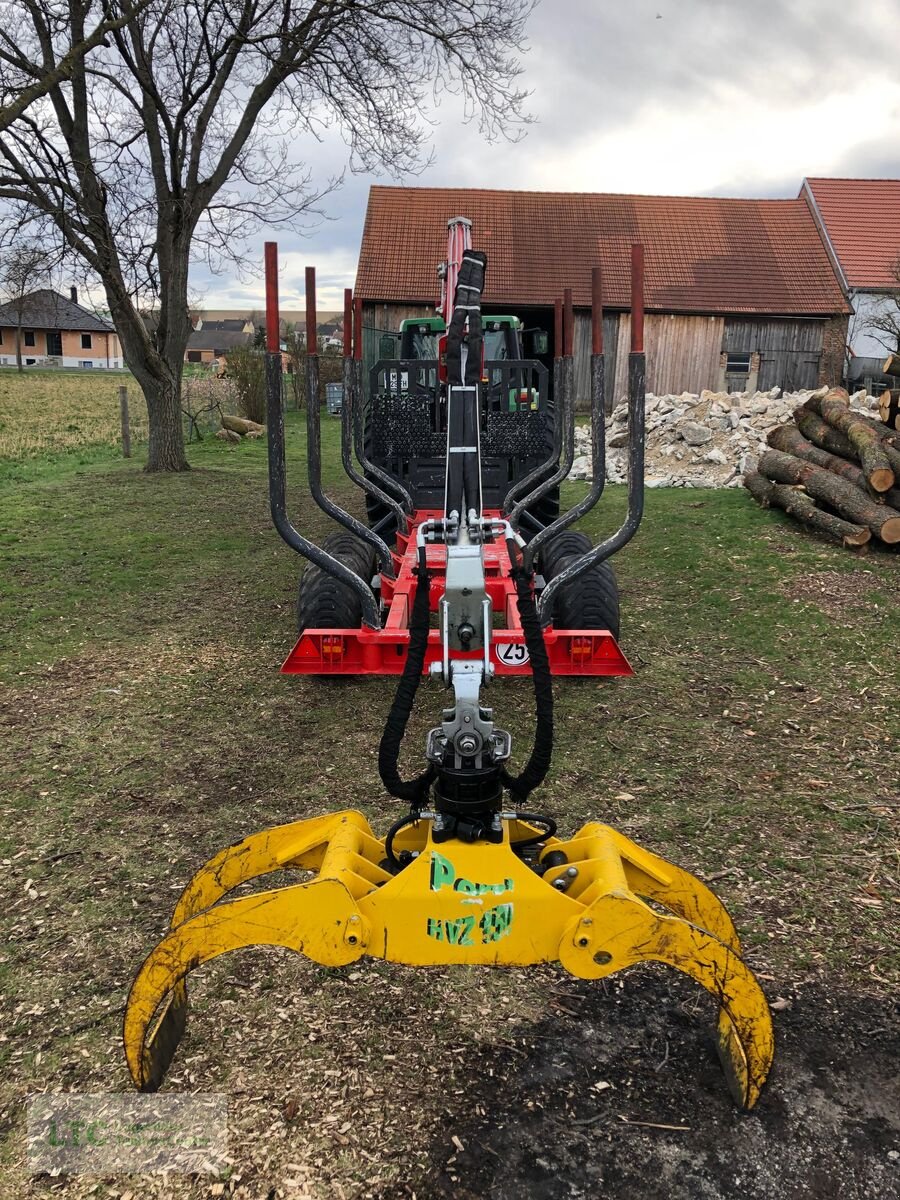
512,654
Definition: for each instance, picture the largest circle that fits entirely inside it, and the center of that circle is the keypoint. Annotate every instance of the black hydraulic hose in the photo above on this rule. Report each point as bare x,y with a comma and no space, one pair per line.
535,839
414,791
389,854
538,764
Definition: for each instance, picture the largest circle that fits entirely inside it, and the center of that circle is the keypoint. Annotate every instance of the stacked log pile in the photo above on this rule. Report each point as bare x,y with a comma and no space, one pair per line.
889,401
835,469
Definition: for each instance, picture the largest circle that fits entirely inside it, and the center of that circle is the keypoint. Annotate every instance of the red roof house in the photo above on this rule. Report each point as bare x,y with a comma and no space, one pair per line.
860,220
733,287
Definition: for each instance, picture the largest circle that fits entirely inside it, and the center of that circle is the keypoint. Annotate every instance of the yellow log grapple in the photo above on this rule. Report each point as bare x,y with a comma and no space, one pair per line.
467,875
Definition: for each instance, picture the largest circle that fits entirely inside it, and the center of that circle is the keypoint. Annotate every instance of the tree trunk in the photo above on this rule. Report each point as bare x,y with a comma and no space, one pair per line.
166,446
834,407
19,348
850,502
158,373
799,505
790,440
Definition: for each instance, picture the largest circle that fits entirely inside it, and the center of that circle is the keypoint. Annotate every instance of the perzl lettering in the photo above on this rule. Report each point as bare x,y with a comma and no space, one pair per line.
443,875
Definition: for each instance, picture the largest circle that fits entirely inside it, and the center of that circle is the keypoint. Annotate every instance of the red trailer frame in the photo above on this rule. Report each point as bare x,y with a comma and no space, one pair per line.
364,651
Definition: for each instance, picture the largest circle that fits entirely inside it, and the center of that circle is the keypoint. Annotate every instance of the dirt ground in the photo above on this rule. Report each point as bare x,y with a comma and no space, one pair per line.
144,726
620,1093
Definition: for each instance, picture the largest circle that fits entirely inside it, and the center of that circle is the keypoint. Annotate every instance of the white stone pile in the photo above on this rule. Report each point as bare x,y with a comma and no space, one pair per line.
710,440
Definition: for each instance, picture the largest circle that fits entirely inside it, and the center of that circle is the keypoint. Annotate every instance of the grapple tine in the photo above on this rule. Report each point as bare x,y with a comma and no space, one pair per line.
676,889
619,930
319,918
296,844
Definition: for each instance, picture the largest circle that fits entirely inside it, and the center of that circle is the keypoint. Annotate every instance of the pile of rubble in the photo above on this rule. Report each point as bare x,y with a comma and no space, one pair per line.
710,440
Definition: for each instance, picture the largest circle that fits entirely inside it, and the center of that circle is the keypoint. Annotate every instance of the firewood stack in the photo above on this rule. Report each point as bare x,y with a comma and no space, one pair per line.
889,401
835,469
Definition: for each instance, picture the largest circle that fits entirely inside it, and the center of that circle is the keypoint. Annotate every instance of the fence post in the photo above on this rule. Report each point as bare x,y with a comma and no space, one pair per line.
126,430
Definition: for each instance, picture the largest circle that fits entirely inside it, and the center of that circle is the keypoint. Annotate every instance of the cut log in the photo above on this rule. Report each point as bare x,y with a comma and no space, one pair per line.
834,407
885,432
848,501
241,426
799,505
890,444
790,440
813,427
889,409
818,431
892,365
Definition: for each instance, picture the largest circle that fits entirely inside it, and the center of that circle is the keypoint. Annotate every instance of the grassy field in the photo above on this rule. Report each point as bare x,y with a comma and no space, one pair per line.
57,412
145,726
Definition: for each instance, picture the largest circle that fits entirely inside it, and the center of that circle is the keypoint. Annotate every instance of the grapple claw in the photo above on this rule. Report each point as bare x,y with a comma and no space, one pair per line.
454,902
319,918
618,928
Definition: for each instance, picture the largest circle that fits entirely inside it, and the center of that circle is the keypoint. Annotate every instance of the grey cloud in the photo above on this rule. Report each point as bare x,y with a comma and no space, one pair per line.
596,67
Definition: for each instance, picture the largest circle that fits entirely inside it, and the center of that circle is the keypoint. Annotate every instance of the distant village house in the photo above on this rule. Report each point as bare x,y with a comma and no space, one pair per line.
53,331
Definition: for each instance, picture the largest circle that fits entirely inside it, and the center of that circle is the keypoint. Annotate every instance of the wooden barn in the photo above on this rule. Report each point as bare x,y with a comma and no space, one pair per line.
741,294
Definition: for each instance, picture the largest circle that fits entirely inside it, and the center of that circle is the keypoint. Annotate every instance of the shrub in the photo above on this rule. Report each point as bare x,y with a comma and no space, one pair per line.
203,400
246,368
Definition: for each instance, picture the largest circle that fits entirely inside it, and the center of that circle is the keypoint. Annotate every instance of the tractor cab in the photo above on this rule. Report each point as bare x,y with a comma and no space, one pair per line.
419,338
406,417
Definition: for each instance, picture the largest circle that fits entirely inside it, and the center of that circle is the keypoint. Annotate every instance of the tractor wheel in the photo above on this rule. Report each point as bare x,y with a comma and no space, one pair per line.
324,602
592,600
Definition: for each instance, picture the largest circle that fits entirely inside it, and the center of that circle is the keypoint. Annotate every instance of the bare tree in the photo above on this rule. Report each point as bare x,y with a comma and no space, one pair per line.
882,320
28,79
24,268
174,142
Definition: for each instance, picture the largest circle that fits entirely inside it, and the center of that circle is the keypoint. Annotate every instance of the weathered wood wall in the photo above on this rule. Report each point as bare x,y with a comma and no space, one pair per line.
683,353
583,343
790,351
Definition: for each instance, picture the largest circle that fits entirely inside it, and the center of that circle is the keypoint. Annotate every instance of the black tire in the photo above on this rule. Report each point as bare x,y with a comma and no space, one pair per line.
324,602
592,600
567,543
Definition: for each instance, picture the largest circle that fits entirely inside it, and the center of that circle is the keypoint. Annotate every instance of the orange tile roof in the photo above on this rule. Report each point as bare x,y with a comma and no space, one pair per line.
862,220
702,255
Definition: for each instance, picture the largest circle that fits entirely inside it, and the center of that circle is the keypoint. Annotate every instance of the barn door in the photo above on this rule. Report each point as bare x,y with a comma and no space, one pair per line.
791,372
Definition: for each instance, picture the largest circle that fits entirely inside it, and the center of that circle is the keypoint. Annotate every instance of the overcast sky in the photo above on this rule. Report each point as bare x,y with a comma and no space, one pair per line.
670,97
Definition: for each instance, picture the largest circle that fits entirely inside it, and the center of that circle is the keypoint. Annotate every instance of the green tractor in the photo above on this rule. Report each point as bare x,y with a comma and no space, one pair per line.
420,339
406,417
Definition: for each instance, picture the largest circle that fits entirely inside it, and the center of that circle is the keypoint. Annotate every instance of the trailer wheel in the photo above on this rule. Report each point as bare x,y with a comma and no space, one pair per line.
324,602
592,600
